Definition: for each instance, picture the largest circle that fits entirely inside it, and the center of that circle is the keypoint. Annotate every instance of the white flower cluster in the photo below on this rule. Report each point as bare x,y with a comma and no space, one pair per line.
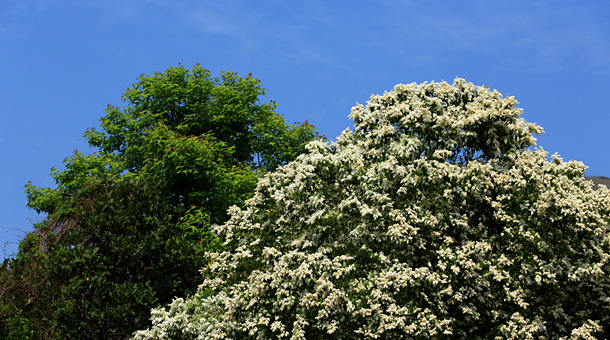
435,218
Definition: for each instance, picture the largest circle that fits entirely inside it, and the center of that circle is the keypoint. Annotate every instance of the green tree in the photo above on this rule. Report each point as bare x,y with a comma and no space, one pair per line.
94,271
128,225
436,217
207,139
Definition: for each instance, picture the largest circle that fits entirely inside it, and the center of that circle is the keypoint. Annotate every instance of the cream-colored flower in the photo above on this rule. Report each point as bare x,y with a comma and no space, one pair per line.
436,216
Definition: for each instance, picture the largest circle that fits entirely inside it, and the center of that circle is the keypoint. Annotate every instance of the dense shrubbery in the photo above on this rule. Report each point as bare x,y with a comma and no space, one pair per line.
435,218
95,271
127,226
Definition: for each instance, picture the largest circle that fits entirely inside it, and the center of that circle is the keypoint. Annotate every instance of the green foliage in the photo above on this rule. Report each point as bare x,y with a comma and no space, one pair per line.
207,138
128,225
96,272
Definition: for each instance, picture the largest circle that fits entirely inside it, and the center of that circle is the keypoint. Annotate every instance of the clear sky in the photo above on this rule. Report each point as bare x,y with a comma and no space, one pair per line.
64,61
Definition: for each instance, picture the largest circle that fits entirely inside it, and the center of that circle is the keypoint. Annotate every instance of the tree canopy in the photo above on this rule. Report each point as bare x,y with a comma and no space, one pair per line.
127,226
205,139
436,217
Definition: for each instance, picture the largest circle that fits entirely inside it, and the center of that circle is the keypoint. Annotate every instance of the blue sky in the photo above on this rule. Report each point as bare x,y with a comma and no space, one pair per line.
64,61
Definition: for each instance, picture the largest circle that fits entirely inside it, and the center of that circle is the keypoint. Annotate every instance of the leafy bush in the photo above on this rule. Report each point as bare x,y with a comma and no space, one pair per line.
435,218
95,272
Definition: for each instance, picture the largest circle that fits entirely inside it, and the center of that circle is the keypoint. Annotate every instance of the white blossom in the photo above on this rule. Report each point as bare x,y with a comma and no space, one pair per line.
435,217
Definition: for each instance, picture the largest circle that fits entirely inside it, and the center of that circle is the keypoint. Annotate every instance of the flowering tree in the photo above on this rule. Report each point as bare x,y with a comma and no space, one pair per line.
435,218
